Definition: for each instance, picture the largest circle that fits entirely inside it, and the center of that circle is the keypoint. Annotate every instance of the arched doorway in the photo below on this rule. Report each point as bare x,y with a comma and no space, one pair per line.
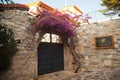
50,54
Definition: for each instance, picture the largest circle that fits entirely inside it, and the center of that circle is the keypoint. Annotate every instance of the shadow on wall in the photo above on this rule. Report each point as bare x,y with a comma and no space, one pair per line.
114,74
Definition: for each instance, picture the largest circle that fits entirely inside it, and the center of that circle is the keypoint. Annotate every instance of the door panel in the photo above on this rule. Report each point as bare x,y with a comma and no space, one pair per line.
50,57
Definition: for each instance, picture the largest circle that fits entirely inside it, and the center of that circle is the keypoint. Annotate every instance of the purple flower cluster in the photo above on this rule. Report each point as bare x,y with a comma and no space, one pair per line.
55,22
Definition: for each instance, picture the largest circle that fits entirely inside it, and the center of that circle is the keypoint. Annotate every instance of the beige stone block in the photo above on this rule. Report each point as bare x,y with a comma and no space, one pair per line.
110,56
20,78
118,50
119,40
10,23
117,33
86,58
107,63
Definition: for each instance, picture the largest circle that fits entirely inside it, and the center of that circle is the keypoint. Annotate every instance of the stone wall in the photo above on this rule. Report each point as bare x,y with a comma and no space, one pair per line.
24,64
98,64
101,62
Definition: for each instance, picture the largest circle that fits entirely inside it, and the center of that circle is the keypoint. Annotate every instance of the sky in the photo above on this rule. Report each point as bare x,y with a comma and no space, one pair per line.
85,6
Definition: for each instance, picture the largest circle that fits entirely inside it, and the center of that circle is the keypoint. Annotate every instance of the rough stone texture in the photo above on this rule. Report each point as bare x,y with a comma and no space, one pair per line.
98,64
106,62
56,75
24,64
111,74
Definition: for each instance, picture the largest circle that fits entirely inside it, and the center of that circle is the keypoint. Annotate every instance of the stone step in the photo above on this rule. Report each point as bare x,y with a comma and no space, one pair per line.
60,75
76,76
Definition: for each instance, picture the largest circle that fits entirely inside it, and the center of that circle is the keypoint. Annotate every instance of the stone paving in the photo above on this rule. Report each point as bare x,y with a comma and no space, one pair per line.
60,75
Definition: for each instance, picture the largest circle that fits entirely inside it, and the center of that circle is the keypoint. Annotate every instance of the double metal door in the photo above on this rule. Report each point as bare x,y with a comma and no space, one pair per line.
50,57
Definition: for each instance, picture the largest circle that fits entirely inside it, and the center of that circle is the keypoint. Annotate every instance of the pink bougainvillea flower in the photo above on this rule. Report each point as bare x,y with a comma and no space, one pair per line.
55,22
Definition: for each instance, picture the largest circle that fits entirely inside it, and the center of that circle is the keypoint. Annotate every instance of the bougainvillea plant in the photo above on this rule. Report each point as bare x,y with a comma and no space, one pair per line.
55,22
61,24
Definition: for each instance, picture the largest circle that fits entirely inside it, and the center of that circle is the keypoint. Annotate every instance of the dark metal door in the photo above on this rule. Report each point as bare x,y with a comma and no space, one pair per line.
50,57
